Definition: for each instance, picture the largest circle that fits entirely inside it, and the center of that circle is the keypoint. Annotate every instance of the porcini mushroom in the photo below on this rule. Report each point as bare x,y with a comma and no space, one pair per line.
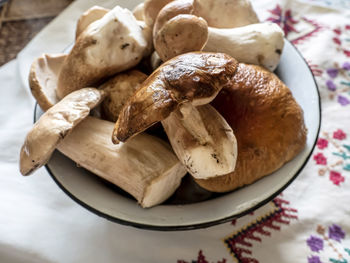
145,166
112,44
119,89
54,125
170,95
181,34
268,124
202,140
195,77
226,13
89,16
177,31
259,44
43,77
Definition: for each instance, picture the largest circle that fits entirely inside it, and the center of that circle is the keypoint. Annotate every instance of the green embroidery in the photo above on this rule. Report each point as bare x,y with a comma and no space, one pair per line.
338,261
342,155
347,167
347,147
347,250
345,83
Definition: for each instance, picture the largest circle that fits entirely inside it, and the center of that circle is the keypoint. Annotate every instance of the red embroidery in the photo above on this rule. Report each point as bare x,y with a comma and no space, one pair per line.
336,177
240,243
339,134
322,143
320,159
201,259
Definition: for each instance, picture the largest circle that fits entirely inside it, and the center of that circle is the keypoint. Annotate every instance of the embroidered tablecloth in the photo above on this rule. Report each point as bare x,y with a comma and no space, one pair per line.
308,222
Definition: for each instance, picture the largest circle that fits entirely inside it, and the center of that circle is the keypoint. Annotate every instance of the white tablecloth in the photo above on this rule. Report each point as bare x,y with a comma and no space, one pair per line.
309,222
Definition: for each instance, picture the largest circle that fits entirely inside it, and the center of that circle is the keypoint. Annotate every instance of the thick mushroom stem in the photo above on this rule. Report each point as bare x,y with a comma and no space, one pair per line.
202,140
145,166
226,13
259,44
192,77
54,125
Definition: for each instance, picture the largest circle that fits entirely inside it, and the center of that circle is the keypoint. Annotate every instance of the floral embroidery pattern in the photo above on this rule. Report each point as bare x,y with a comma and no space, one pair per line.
296,30
338,83
240,243
342,39
201,259
283,19
317,244
333,145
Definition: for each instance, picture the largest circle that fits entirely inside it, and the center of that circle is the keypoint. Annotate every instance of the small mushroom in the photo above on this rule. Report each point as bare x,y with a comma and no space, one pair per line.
112,44
181,34
91,15
171,10
259,44
145,166
138,12
151,10
195,77
119,89
202,140
226,13
43,79
54,125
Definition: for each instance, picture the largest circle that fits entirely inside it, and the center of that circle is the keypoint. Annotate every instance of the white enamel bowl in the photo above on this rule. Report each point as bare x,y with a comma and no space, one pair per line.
104,200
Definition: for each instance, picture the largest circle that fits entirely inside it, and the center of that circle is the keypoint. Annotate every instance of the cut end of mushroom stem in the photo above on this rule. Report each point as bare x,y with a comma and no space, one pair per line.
202,140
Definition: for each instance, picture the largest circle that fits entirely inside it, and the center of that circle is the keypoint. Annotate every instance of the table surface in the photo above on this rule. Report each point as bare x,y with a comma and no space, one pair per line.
309,222
21,20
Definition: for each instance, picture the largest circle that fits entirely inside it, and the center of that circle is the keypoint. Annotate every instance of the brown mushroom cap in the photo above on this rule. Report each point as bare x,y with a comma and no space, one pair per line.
43,79
54,125
178,7
195,77
181,34
268,124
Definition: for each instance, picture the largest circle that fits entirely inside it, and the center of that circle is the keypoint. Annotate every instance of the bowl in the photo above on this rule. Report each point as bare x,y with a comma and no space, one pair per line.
113,204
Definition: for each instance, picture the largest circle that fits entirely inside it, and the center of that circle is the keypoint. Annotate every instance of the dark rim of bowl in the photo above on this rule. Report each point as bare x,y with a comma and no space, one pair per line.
199,225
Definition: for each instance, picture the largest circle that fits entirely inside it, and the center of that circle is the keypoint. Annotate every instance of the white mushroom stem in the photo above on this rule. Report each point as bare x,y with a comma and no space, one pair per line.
54,125
202,140
259,44
226,13
145,166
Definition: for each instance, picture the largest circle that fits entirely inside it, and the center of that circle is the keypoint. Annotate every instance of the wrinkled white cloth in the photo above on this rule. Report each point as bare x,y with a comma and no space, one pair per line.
310,222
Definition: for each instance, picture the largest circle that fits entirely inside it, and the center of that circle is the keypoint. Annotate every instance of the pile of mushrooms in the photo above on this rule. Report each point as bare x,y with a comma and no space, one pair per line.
194,48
